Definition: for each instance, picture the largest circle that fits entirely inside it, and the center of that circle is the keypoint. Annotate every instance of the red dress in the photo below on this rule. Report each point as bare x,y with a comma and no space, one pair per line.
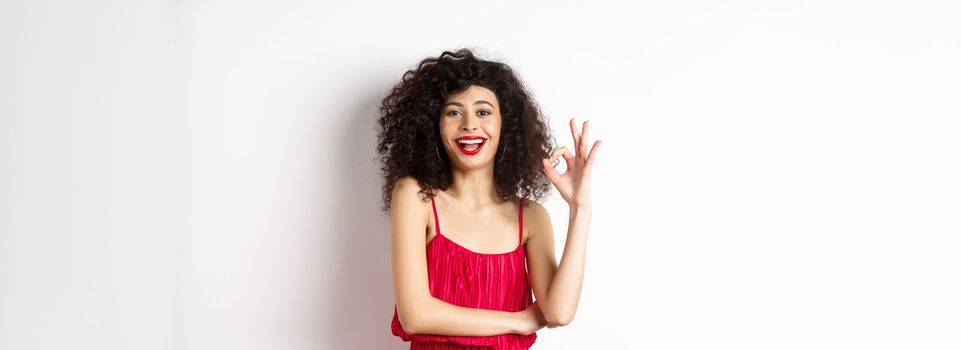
466,278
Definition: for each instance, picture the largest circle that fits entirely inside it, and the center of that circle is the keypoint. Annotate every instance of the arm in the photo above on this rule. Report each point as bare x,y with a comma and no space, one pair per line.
557,288
417,310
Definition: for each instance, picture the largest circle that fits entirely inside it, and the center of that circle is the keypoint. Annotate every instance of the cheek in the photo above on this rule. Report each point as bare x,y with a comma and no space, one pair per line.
493,126
447,131
494,130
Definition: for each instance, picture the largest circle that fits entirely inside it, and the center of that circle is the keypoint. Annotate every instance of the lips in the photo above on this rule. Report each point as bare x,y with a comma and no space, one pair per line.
470,145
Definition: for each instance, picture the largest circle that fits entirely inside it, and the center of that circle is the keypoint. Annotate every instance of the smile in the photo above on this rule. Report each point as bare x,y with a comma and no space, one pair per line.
470,145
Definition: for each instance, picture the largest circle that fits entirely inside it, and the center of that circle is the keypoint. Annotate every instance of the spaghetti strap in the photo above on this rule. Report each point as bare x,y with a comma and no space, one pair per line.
436,221
520,217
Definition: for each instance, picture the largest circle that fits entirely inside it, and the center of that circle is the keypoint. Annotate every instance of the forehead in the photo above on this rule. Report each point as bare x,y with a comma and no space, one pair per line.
473,93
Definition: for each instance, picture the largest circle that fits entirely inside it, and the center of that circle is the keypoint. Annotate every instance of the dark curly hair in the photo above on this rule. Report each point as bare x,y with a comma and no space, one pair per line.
408,140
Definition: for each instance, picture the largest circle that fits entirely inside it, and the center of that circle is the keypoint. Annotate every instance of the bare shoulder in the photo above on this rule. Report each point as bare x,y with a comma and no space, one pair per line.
407,198
406,184
534,208
408,189
535,217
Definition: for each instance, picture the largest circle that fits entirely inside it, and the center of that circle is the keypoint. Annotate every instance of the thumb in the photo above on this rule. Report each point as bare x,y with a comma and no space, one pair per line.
549,170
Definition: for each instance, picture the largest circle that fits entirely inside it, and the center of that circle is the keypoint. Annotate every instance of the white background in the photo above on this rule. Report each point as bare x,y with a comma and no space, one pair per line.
201,174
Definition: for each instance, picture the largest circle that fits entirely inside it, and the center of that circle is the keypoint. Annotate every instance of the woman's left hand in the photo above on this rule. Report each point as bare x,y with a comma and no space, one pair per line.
575,183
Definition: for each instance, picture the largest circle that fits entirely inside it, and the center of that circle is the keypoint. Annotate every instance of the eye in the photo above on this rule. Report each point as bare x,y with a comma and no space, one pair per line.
484,112
452,112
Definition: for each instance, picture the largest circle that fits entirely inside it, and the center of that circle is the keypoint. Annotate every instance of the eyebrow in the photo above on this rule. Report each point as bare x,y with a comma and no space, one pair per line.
462,105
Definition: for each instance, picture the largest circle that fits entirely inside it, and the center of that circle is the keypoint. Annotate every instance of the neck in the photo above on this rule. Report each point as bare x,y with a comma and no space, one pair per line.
475,187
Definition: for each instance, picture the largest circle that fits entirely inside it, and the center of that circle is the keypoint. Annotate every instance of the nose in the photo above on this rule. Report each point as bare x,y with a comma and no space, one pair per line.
469,124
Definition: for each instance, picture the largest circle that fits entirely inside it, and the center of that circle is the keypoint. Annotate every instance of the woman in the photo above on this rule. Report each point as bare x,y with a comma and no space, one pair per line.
463,143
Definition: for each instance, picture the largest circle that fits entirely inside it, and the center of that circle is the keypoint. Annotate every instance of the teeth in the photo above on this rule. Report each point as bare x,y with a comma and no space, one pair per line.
467,142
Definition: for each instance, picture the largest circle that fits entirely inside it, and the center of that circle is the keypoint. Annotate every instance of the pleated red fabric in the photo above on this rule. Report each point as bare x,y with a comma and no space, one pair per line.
466,278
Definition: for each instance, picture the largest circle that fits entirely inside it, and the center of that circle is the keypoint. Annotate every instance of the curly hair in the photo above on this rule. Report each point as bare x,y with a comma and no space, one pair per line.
409,143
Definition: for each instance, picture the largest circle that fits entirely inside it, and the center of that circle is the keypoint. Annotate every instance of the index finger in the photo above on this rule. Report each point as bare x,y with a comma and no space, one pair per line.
577,136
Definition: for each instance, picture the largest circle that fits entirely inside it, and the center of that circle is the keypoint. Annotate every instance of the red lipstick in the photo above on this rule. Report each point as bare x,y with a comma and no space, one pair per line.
470,145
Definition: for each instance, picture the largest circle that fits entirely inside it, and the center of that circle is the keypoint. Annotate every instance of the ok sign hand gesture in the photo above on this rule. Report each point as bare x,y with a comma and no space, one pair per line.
575,183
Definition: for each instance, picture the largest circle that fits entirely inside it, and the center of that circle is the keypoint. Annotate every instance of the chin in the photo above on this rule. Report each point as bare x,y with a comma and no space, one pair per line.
471,163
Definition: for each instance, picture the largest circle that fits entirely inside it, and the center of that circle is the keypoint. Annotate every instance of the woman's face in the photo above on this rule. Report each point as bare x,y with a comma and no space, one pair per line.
470,127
